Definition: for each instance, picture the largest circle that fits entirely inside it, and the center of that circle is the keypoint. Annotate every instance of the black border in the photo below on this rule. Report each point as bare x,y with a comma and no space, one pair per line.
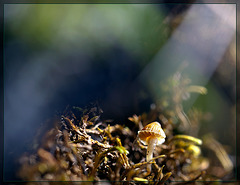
237,176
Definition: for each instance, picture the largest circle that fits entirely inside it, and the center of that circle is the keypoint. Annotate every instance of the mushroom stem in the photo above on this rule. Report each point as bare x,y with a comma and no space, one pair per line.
151,145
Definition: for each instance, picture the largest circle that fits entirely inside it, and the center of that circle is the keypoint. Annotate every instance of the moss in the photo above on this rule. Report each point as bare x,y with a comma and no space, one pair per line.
82,147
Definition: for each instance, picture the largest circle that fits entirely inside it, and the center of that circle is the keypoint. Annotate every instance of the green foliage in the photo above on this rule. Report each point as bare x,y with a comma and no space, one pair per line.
90,28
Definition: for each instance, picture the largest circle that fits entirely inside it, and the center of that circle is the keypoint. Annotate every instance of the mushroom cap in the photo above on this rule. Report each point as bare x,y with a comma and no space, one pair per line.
151,131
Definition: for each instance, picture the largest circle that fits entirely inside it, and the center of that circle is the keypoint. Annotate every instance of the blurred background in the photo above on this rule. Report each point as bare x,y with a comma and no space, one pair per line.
115,57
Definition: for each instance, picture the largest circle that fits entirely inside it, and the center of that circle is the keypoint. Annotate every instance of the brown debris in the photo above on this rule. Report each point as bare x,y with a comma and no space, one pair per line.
83,149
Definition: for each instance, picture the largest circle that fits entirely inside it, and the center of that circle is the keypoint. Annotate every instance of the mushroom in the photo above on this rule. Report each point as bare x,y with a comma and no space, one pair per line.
151,135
